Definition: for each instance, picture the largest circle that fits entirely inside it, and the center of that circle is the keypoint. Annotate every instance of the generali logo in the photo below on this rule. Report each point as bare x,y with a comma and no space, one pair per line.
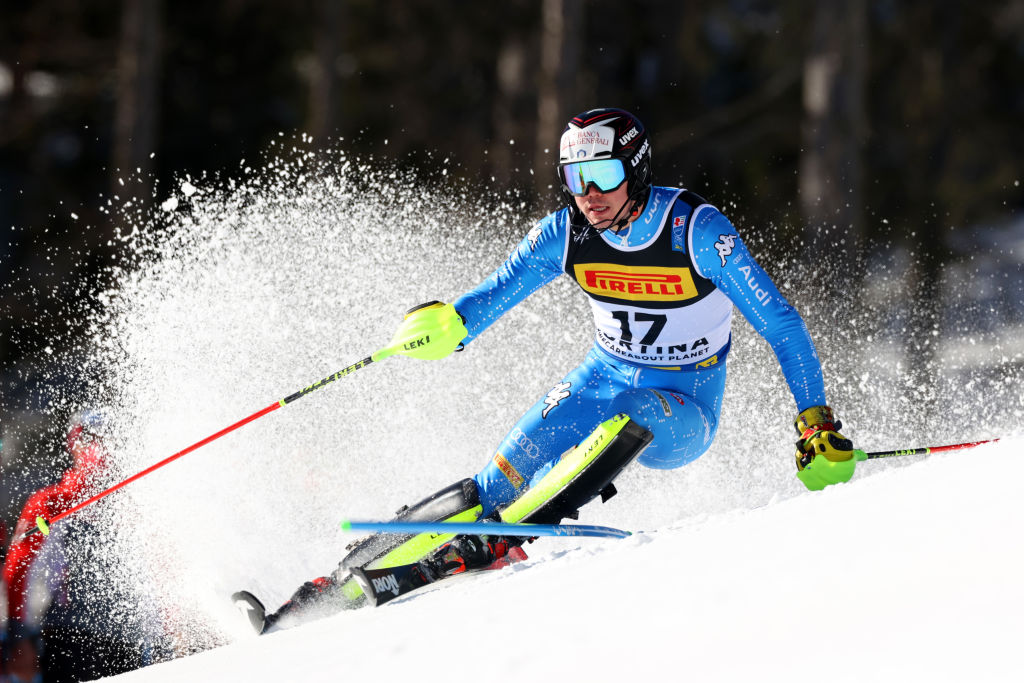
582,143
636,283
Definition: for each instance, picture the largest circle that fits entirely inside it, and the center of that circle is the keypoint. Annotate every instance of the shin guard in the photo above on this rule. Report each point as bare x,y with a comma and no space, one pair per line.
582,474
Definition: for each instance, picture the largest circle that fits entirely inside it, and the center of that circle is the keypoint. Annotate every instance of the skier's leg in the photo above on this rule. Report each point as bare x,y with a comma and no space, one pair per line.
556,423
680,408
568,415
559,421
582,474
567,449
671,423
538,457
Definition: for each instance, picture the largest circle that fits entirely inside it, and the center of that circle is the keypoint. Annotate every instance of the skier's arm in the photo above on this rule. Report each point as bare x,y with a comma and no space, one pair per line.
23,552
720,255
447,328
536,261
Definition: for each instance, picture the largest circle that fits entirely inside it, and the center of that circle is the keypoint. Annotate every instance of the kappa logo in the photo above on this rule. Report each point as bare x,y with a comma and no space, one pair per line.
558,393
385,584
724,246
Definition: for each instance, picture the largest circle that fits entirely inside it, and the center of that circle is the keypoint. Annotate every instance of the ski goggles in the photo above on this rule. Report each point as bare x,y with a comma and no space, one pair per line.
605,174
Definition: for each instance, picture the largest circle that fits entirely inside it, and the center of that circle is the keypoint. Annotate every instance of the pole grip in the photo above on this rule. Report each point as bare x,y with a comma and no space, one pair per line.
41,527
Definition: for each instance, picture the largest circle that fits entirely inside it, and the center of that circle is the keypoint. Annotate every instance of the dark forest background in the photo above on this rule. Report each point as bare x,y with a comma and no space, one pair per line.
851,126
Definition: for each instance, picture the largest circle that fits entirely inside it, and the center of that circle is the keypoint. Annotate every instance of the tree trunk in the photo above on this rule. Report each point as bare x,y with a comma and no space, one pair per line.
323,94
507,114
833,133
559,52
136,118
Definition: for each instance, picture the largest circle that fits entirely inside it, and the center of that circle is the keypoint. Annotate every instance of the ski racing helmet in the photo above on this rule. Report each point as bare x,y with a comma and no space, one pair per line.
604,148
85,435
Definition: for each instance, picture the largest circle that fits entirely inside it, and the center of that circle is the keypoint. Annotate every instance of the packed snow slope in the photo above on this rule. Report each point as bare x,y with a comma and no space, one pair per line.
912,573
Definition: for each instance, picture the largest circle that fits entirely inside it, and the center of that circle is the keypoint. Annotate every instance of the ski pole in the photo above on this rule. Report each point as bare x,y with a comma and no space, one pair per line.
411,339
506,528
42,525
861,455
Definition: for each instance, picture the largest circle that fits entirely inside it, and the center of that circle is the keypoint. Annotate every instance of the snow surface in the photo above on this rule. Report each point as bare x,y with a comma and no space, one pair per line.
914,573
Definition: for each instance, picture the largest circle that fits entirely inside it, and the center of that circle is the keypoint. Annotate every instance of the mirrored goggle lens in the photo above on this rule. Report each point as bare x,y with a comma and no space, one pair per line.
606,174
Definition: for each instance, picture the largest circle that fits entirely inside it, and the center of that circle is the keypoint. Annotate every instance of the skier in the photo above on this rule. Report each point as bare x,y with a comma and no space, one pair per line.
663,270
73,636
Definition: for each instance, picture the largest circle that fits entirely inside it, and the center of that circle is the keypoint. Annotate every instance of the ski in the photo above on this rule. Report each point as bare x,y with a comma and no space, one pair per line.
251,607
384,585
387,583
479,528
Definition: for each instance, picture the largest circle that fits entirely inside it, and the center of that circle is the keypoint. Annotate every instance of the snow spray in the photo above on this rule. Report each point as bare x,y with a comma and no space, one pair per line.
239,287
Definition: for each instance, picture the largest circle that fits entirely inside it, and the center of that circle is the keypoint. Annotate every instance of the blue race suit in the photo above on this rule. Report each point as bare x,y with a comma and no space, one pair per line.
662,292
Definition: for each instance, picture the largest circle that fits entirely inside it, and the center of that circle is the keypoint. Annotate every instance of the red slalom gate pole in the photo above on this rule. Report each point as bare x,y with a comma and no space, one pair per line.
43,525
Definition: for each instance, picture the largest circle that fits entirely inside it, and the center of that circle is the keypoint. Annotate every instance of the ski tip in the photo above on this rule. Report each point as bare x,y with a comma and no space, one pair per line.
251,608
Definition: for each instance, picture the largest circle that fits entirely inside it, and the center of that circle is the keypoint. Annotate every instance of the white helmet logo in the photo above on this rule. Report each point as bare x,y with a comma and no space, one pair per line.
585,143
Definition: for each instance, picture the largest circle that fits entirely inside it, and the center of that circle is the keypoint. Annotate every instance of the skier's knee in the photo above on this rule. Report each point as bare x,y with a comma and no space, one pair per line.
682,426
582,474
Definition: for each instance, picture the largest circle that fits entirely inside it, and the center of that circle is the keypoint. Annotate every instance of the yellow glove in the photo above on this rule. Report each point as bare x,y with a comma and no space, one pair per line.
823,455
430,331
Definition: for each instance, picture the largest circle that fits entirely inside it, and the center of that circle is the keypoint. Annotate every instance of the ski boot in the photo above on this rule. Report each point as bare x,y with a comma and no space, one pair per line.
468,553
464,554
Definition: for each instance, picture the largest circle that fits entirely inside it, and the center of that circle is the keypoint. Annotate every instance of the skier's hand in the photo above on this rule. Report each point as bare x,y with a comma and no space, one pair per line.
823,455
430,331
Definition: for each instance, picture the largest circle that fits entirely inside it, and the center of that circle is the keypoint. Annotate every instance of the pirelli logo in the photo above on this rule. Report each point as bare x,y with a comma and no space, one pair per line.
509,471
636,283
